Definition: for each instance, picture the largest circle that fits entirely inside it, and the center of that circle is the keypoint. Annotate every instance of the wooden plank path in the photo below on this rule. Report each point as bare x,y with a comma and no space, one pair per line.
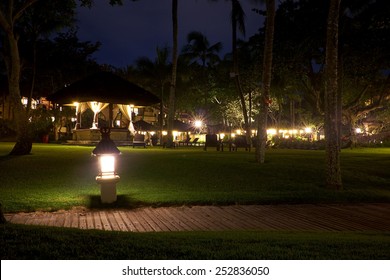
305,217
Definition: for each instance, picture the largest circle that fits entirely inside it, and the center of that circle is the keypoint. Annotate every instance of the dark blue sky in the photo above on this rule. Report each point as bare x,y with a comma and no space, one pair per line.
137,28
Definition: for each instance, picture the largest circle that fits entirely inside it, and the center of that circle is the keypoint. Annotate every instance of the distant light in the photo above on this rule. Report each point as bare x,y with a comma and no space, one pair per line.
198,123
24,101
271,131
165,133
358,130
238,131
308,130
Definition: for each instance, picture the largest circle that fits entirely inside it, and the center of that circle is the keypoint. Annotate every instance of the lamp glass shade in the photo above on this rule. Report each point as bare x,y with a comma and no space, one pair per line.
107,166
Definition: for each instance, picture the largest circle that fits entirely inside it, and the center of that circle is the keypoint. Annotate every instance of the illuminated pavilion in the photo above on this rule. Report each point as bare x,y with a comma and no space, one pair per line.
107,95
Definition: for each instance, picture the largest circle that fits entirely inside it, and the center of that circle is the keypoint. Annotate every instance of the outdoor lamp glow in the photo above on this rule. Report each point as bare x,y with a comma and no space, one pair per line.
107,166
107,177
198,123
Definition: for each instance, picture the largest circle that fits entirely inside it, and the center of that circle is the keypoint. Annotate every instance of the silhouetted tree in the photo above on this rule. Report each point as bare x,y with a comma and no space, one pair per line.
332,143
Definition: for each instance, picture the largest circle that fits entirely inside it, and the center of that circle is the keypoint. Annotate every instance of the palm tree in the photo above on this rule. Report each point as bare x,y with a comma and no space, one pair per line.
266,82
198,48
332,146
172,91
238,22
159,72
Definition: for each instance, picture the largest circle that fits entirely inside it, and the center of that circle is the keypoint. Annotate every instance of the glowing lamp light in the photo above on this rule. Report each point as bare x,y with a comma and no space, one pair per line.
107,177
358,130
271,131
198,123
308,130
107,166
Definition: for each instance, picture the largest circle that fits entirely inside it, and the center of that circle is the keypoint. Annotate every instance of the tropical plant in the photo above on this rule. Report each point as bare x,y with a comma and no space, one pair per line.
157,75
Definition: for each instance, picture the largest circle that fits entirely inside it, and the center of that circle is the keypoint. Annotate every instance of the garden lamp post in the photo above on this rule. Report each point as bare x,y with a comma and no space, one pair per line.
107,153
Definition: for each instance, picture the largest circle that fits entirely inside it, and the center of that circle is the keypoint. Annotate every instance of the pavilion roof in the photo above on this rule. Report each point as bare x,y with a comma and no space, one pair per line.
104,87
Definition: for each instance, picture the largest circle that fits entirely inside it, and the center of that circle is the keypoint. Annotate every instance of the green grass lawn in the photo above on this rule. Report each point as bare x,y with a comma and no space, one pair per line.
61,177
35,242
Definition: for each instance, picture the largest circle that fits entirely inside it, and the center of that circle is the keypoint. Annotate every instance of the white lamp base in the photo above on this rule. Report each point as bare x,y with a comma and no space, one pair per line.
107,188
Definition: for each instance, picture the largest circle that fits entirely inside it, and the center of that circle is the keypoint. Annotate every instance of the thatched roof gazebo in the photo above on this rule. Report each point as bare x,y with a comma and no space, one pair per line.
100,91
104,87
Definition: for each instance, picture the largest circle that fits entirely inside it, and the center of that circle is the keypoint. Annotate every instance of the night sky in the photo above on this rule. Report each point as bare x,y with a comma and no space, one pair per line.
135,29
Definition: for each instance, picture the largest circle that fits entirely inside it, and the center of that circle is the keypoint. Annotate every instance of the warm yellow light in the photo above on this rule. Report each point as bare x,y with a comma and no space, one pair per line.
165,133
233,135
308,130
107,166
238,131
24,100
358,130
175,133
271,131
198,123
221,136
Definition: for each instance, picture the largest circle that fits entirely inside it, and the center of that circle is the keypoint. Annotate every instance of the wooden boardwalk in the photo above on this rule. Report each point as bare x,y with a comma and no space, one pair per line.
329,217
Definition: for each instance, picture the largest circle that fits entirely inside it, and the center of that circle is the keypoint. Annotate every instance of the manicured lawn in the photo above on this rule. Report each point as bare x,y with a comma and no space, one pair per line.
35,242
61,177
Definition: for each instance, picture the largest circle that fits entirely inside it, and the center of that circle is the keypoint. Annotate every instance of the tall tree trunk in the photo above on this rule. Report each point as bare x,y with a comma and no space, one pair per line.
9,15
332,149
161,116
266,83
172,92
2,218
23,144
340,73
236,75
